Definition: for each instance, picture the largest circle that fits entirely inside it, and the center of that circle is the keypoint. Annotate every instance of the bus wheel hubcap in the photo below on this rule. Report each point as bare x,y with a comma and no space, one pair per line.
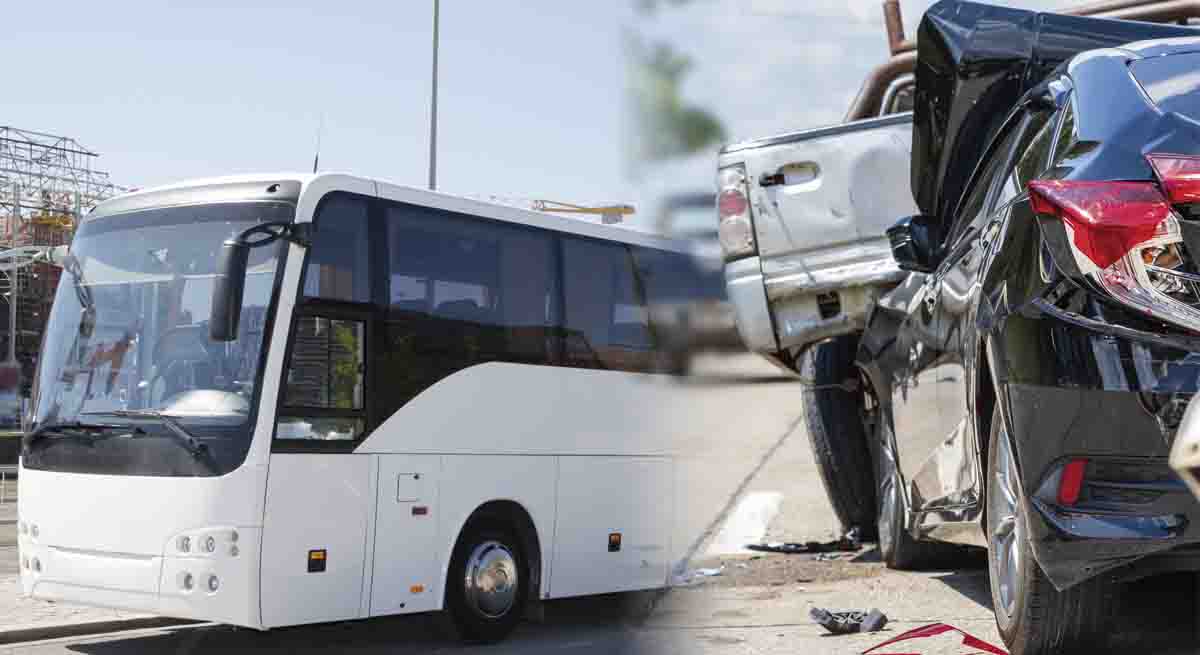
491,580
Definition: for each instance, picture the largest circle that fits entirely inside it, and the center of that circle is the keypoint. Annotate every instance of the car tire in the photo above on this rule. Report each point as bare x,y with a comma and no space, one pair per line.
488,554
898,548
1032,616
835,429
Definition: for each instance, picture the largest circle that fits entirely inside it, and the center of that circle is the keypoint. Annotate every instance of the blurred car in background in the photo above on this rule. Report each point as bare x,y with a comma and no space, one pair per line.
699,319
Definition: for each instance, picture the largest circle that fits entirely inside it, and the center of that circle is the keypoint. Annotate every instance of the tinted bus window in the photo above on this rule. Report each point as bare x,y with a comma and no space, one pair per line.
607,324
462,291
337,264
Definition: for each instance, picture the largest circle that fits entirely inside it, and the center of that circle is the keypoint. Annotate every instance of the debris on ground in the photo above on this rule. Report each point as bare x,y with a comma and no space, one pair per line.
844,623
849,542
971,641
695,576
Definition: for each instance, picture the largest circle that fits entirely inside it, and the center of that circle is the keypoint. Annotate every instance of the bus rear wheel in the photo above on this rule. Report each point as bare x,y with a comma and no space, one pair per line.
487,583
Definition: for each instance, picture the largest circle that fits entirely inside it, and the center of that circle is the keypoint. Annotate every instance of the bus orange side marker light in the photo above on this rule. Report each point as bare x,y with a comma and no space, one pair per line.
614,542
316,560
416,589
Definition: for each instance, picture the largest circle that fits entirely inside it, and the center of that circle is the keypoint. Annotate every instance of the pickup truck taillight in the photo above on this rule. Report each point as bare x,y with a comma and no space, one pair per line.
734,227
1126,238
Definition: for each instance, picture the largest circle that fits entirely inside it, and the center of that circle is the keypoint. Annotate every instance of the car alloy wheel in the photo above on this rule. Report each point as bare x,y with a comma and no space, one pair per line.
1006,528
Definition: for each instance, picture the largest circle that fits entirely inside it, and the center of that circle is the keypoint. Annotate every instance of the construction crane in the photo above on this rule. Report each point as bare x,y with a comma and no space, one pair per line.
609,214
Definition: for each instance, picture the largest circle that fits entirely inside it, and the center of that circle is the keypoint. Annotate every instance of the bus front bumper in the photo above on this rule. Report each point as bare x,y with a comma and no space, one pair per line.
219,585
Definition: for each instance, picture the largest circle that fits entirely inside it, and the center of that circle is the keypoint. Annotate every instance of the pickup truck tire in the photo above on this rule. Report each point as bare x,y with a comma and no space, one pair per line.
898,548
1031,615
835,428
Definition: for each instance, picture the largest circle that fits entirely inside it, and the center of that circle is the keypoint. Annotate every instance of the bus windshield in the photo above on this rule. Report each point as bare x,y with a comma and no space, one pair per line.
127,346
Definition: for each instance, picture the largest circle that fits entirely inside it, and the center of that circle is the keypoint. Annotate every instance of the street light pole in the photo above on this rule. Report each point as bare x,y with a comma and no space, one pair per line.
433,118
14,278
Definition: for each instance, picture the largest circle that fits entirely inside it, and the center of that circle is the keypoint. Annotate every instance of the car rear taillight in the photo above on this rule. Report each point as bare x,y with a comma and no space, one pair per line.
1125,236
734,227
1070,483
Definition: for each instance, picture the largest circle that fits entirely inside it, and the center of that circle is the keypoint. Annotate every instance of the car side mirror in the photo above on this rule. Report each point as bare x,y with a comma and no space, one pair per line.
914,243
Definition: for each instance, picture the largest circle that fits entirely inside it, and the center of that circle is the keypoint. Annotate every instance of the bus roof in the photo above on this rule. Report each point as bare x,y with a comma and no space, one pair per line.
292,187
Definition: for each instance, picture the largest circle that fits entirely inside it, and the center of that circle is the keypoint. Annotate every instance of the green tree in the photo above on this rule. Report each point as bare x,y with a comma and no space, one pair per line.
667,125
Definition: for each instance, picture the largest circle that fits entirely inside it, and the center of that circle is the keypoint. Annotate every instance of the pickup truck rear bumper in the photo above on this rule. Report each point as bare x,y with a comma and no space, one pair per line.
744,285
799,299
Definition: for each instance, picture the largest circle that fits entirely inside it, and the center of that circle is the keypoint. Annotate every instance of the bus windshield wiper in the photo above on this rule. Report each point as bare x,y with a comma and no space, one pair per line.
88,432
181,436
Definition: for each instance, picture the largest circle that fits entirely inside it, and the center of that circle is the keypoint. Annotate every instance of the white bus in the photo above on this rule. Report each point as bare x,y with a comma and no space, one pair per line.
272,401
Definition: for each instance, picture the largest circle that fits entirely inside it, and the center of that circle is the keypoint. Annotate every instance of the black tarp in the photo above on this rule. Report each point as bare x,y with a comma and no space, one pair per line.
974,63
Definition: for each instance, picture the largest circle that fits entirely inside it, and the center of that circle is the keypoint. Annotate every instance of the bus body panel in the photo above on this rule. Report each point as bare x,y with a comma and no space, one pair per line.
407,549
315,503
535,410
613,528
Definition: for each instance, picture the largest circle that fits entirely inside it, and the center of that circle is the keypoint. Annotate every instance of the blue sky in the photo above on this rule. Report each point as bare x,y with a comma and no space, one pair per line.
532,91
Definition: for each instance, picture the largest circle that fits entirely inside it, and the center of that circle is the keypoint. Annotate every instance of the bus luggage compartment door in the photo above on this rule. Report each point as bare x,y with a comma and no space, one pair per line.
613,529
405,572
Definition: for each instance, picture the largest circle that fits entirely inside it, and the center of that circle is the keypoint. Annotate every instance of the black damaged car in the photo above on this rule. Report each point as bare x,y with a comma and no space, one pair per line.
1020,389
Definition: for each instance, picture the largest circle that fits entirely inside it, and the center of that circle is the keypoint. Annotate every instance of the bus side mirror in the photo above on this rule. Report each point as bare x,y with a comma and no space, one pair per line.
228,287
230,282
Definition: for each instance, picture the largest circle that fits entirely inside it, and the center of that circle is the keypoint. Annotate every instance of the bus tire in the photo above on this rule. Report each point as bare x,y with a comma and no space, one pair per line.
837,434
487,583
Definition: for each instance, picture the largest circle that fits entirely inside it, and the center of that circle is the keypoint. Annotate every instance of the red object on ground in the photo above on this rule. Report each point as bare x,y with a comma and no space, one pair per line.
924,632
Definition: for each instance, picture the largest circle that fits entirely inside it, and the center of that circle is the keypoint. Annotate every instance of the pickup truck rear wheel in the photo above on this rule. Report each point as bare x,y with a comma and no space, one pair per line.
833,411
898,548
1032,616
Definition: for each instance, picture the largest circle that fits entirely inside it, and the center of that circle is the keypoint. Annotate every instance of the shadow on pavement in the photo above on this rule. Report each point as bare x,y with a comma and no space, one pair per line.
972,585
706,380
605,624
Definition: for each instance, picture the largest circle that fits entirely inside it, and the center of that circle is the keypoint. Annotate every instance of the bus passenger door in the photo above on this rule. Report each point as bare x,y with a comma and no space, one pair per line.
321,493
406,570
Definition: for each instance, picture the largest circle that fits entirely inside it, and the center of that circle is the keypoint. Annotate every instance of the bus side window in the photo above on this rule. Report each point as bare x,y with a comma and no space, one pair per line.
607,325
337,264
462,291
325,374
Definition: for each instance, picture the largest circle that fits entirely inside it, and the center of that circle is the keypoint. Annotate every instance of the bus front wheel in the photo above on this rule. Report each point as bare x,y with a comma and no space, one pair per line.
487,583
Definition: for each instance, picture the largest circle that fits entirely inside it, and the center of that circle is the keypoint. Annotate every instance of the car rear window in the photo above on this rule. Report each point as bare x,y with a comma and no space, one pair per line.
1172,82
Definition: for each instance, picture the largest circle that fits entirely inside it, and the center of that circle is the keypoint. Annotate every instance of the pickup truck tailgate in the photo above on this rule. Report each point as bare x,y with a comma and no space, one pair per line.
820,201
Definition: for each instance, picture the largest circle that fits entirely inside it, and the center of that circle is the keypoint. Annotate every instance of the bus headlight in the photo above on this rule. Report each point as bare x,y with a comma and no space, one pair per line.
185,544
210,544
213,584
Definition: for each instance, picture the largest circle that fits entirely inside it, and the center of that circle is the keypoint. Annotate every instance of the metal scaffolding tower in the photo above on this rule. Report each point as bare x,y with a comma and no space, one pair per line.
46,183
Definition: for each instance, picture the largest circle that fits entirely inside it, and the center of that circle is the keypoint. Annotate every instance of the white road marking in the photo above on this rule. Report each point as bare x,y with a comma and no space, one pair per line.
747,524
